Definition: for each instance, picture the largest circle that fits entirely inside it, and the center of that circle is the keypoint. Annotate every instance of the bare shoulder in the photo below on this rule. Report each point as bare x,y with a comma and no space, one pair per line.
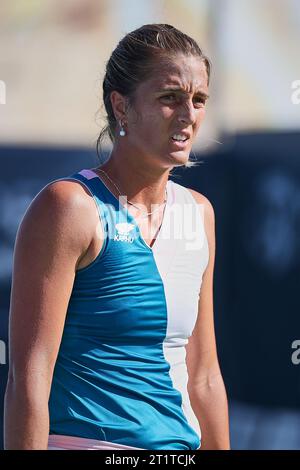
64,193
63,210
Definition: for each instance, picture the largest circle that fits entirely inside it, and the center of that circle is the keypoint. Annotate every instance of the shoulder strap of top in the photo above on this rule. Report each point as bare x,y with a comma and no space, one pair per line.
88,179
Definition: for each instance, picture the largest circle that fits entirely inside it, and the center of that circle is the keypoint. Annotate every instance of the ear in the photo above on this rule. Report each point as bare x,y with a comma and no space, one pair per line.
118,103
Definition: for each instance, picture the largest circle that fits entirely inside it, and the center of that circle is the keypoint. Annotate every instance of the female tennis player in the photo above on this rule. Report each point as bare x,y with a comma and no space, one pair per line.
112,342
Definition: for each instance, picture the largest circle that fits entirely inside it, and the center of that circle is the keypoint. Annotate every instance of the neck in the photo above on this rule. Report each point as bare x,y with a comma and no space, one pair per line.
141,183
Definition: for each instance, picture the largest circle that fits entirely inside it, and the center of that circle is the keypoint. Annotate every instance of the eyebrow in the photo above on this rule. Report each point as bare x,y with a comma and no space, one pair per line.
175,88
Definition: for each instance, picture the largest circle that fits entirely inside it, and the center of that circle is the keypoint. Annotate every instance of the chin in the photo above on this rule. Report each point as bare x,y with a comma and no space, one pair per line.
179,158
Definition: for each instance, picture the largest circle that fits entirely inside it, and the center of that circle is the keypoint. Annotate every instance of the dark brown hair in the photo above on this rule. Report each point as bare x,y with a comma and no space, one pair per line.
134,60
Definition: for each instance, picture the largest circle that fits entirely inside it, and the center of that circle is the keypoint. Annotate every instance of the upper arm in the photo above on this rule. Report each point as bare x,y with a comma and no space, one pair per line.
202,360
51,238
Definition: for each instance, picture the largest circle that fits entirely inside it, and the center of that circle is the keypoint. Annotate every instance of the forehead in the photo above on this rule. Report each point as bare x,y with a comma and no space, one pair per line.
188,73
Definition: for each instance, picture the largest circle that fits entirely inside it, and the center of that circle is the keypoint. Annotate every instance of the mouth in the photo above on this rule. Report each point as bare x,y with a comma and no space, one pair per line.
179,144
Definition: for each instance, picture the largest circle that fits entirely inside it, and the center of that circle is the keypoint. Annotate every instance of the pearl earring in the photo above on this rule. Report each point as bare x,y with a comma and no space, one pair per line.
122,131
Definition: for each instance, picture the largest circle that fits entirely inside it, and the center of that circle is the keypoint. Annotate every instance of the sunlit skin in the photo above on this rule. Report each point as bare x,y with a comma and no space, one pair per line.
171,100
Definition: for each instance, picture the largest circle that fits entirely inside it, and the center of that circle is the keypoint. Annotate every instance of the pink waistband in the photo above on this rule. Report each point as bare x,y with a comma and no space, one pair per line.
60,442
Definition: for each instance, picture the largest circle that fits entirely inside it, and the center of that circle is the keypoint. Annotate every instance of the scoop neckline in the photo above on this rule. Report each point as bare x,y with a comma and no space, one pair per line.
132,218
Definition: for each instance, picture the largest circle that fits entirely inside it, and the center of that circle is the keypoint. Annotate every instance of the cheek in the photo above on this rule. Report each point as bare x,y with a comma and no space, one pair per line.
201,115
159,113
157,122
200,119
166,112
153,125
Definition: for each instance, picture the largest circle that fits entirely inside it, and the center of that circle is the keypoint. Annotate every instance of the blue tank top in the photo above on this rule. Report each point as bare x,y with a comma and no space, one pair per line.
120,375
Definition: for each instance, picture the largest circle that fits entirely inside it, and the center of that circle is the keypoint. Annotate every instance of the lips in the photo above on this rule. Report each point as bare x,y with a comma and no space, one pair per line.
179,144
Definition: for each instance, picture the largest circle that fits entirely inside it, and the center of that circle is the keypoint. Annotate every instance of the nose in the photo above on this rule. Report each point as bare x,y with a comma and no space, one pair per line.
187,113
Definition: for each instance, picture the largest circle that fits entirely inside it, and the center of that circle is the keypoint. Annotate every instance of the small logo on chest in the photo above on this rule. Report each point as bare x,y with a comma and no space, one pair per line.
123,232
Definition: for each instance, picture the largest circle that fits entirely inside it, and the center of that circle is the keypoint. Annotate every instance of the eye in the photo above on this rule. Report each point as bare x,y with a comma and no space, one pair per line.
200,100
169,97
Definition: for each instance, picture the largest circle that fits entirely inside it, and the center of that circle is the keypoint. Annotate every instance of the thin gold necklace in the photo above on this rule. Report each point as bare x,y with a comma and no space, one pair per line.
131,203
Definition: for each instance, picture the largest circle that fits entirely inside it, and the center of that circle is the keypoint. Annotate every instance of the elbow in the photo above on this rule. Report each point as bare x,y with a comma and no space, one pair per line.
28,384
206,383
28,394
